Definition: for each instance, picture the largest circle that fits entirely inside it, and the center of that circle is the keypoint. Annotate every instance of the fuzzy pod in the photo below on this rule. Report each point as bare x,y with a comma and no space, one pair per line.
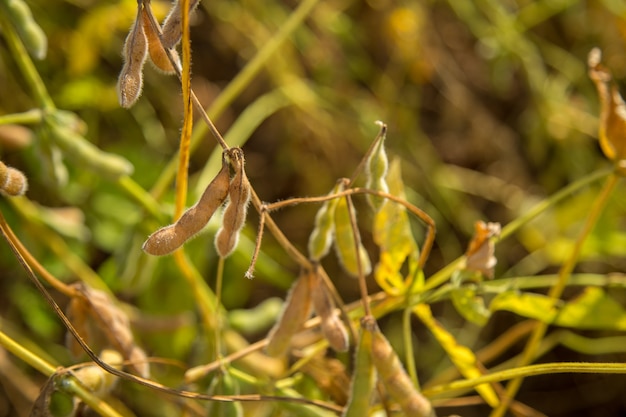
296,310
349,255
394,377
376,172
12,181
81,151
156,51
321,237
332,327
172,25
236,209
130,81
99,381
29,31
363,378
169,238
336,333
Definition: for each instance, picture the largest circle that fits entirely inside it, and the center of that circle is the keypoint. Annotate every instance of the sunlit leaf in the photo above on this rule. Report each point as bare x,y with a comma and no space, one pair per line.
469,305
462,357
392,234
534,306
593,309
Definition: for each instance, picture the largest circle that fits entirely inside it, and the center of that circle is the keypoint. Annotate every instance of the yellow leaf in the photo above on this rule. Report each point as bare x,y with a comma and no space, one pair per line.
462,357
392,234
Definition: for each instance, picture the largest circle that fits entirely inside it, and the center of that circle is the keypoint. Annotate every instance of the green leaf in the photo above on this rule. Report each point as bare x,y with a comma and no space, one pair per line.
462,357
593,309
469,305
534,306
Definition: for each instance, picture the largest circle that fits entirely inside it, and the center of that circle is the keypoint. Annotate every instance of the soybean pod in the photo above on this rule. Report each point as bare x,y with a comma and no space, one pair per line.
12,181
169,238
348,253
82,152
236,208
321,237
393,375
31,34
363,378
296,310
130,81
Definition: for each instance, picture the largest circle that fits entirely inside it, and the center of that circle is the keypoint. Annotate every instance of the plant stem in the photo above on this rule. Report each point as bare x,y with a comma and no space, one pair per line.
408,347
530,370
555,292
27,67
443,274
30,117
238,85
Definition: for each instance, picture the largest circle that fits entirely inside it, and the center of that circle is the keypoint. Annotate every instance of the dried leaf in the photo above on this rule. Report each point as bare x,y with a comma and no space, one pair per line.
41,406
612,131
480,251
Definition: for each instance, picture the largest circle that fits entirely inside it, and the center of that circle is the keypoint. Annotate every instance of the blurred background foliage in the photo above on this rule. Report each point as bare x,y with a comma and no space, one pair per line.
489,108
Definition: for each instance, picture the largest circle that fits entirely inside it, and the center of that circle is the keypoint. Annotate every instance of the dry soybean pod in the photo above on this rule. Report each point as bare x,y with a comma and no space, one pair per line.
172,30
130,81
237,207
363,378
156,51
30,32
344,242
332,327
296,310
169,238
394,376
321,237
12,181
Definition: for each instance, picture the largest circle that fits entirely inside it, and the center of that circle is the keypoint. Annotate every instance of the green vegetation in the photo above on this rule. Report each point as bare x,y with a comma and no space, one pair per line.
499,126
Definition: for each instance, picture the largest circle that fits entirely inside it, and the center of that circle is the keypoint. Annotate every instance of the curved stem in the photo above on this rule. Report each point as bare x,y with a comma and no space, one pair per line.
555,292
